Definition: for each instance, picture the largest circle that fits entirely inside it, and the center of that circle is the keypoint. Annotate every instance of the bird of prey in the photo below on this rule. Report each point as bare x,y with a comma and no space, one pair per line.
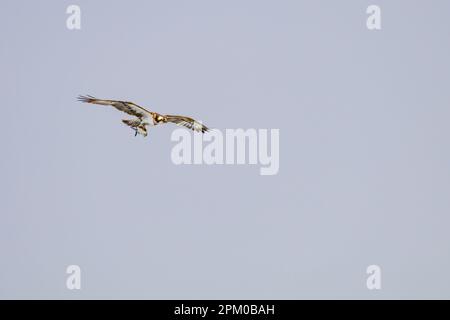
143,117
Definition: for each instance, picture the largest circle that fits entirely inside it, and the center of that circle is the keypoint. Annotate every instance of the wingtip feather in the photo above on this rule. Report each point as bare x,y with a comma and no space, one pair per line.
86,99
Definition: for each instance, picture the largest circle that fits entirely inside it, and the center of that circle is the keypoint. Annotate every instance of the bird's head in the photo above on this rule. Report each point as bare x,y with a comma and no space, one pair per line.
159,118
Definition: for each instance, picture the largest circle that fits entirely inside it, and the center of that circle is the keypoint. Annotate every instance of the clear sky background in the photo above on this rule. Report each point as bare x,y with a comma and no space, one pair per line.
364,150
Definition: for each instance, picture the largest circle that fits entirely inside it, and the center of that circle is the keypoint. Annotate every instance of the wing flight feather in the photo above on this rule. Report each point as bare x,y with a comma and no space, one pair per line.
124,106
187,122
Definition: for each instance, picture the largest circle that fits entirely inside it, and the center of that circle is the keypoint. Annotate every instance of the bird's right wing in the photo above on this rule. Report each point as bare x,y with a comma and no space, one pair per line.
187,122
125,106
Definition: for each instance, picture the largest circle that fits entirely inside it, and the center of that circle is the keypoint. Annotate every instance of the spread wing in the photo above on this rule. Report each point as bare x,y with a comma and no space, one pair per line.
187,122
125,106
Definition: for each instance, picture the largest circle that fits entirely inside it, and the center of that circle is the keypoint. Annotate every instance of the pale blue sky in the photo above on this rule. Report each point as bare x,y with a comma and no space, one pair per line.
364,160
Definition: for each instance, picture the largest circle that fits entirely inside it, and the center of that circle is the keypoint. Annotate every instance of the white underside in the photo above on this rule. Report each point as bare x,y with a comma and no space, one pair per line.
148,122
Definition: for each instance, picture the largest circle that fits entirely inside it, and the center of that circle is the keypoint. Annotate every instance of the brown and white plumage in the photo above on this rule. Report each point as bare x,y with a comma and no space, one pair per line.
143,117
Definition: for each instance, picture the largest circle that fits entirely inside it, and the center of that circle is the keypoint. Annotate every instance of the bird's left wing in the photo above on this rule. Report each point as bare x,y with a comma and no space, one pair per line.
125,106
187,122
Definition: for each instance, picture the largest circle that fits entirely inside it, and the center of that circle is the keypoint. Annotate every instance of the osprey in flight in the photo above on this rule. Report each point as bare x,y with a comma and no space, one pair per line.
143,117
